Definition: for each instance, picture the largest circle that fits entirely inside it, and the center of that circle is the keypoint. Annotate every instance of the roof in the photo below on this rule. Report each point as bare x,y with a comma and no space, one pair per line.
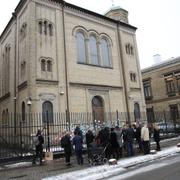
114,8
168,62
22,2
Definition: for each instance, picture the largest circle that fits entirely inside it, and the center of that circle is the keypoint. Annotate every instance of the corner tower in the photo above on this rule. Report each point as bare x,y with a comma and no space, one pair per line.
118,13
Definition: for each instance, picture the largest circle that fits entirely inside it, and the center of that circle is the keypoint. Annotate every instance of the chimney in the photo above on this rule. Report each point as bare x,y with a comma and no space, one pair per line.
157,58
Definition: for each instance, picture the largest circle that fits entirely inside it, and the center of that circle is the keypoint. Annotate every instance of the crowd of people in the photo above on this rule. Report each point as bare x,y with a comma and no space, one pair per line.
117,141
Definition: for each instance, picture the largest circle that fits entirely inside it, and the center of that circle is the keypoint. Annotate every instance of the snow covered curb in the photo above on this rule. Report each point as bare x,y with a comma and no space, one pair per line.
16,165
98,172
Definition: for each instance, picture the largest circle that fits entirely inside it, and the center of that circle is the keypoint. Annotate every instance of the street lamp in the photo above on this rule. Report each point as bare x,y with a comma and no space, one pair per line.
29,102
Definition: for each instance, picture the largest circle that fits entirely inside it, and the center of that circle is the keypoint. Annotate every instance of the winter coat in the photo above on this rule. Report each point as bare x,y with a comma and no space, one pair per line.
39,145
129,135
113,140
77,141
89,137
66,144
156,135
145,133
119,137
137,133
104,136
79,131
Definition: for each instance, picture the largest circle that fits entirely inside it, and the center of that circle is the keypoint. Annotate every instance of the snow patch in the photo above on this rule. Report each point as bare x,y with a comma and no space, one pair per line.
105,171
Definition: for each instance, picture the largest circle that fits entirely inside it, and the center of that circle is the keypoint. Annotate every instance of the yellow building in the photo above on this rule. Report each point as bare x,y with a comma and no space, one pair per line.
162,90
57,57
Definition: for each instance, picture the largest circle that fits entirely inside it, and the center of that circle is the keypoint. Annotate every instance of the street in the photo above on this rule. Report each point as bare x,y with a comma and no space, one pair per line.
164,165
162,169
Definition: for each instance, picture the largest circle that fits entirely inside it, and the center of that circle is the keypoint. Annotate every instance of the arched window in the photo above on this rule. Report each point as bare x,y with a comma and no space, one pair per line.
81,49
50,29
7,116
132,52
105,53
93,50
45,27
98,109
23,111
47,110
43,65
49,66
3,117
137,114
40,27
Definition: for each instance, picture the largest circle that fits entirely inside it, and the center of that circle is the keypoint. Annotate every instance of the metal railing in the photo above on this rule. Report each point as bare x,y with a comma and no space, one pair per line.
17,130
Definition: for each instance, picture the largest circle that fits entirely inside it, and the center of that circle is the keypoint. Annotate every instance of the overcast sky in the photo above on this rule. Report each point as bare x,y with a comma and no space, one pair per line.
157,22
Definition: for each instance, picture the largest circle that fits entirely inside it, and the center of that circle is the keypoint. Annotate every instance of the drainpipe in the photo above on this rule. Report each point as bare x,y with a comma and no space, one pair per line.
124,78
65,60
15,60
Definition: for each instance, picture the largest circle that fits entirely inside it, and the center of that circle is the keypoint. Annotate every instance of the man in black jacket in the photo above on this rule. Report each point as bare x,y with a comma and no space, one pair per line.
66,144
130,140
39,141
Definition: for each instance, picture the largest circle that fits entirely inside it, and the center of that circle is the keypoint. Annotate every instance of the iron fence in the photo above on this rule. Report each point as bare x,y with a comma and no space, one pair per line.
17,130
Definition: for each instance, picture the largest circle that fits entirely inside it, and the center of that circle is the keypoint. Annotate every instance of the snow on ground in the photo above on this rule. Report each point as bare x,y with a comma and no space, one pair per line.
21,164
103,171
138,171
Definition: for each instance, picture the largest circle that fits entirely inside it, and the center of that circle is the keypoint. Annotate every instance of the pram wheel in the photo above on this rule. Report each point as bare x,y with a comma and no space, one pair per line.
105,160
91,162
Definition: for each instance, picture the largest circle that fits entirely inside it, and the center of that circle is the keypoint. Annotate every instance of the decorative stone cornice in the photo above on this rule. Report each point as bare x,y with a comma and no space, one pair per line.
94,85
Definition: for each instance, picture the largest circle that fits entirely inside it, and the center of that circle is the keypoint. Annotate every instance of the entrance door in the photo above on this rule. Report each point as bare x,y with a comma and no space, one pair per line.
98,109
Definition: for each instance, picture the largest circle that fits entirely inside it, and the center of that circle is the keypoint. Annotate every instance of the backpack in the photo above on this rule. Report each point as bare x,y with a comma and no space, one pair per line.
36,140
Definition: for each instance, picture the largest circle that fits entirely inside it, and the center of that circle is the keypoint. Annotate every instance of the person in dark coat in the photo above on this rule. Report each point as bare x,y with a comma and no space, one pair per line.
124,135
114,144
78,131
39,141
78,142
89,140
119,136
137,135
104,136
89,137
130,140
156,136
66,144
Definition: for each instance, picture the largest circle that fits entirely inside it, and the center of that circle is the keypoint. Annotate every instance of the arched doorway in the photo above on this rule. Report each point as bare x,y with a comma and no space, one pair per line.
98,109
137,114
47,112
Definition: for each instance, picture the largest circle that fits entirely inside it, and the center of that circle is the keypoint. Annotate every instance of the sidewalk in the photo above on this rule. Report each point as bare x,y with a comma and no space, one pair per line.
105,171
57,169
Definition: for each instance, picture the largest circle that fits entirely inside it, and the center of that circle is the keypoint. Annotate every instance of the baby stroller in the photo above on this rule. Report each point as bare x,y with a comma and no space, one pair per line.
96,154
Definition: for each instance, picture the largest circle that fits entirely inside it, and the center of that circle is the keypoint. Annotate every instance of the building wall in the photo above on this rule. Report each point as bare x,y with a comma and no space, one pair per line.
68,79
161,101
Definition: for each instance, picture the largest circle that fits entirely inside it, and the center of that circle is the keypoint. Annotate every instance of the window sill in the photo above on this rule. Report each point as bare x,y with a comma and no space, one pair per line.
95,65
171,94
148,98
